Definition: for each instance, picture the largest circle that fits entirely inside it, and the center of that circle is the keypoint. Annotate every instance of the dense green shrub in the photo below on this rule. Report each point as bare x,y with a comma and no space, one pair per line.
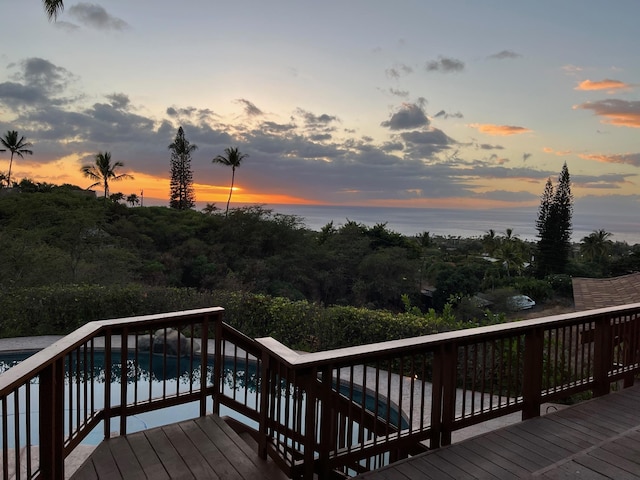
298,324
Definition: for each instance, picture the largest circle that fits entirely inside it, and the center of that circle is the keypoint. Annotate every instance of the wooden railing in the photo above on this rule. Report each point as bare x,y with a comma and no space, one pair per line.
335,413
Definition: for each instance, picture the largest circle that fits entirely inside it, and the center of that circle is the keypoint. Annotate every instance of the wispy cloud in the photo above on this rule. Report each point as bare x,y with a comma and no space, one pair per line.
625,158
617,112
504,55
95,16
560,153
445,115
606,84
249,108
499,130
445,65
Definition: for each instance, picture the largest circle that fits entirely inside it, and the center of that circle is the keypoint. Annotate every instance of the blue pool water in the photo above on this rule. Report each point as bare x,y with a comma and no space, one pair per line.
154,376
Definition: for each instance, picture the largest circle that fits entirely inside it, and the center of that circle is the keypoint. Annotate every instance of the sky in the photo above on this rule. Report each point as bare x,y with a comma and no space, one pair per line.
442,104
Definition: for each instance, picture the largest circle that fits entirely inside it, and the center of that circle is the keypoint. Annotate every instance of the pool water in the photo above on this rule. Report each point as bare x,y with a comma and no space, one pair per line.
153,378
155,375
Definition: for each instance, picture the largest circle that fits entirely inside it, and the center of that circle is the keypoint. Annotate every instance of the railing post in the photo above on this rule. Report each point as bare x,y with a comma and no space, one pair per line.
310,386
439,359
124,379
52,421
532,373
265,388
327,420
602,356
218,362
449,369
204,365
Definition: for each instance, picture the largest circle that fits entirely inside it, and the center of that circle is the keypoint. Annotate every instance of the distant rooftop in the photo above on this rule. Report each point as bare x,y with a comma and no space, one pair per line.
592,293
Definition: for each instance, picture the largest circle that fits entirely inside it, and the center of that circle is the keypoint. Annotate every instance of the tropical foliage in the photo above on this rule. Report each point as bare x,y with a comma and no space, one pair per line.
231,158
16,146
103,172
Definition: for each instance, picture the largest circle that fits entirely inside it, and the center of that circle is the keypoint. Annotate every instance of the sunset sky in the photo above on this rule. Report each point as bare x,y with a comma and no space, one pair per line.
461,104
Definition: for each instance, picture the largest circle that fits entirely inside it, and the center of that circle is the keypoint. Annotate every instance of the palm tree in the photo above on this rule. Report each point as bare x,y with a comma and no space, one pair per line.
595,246
53,8
103,171
16,147
232,159
133,199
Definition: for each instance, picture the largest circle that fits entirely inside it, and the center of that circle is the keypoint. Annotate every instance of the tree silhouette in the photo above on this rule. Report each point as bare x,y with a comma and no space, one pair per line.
232,159
595,246
181,193
554,226
133,200
16,147
53,8
103,171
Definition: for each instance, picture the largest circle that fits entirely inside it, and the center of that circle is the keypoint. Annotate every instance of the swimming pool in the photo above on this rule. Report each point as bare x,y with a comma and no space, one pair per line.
159,376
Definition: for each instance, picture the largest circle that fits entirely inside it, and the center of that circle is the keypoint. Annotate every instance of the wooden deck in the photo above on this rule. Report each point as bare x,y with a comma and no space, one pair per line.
203,448
597,439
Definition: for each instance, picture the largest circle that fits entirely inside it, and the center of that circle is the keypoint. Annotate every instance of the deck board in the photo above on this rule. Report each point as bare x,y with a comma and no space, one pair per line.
597,439
203,448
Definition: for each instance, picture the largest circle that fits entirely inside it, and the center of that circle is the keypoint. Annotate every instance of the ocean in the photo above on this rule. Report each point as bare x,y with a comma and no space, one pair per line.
461,223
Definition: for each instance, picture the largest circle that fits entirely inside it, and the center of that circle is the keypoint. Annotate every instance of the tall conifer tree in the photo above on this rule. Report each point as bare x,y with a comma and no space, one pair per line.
554,226
181,195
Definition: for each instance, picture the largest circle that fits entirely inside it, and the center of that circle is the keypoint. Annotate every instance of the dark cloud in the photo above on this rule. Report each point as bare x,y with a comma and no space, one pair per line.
409,116
15,95
445,115
314,121
119,100
95,16
526,156
249,108
488,146
622,113
392,147
43,75
504,55
320,137
273,127
445,65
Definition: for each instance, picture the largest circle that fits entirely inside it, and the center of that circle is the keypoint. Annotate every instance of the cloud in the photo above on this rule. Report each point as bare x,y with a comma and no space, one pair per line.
37,82
624,159
66,26
407,117
487,146
312,120
445,115
499,130
119,100
526,156
399,70
571,69
91,15
504,55
249,108
621,113
399,93
606,84
559,153
445,65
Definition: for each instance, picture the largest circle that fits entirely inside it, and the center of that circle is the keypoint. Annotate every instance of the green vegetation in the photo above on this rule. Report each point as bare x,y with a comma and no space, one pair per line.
19,147
103,172
69,257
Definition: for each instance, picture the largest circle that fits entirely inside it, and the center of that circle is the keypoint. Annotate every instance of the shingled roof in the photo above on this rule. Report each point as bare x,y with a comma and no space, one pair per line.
591,293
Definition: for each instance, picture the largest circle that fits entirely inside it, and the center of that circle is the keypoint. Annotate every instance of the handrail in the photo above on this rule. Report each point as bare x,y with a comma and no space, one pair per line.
347,410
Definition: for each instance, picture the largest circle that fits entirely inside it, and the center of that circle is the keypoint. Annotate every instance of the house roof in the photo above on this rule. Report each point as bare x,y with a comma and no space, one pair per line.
591,293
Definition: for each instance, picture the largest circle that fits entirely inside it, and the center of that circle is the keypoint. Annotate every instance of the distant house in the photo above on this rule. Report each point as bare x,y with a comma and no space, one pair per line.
592,293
